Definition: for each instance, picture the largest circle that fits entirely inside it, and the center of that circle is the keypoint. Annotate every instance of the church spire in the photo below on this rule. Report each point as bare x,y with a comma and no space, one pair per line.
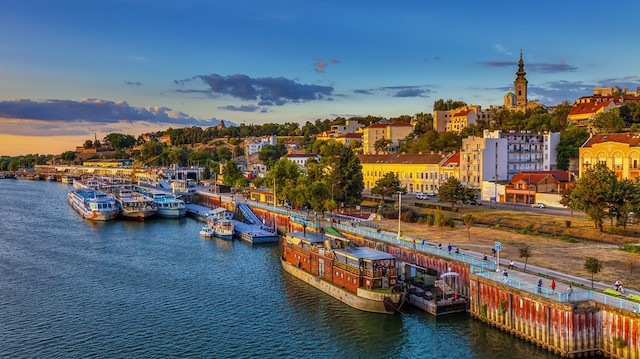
521,72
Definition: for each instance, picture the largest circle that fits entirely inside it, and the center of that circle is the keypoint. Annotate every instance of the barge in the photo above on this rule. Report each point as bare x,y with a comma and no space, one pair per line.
361,277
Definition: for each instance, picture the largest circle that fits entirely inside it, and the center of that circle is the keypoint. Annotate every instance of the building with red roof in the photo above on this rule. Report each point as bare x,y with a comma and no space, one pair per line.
395,132
525,186
620,152
583,113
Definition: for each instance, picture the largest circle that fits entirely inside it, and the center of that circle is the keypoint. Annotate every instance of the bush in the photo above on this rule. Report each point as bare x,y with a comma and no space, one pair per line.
410,216
449,222
390,213
430,220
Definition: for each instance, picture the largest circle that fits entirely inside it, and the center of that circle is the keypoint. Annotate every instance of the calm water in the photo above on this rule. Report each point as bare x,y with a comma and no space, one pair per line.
71,288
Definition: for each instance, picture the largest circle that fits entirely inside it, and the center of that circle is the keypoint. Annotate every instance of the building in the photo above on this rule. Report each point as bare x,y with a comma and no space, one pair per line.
417,173
253,145
350,126
346,139
528,151
519,101
583,112
108,163
483,160
538,187
263,195
301,158
620,152
457,119
291,145
395,132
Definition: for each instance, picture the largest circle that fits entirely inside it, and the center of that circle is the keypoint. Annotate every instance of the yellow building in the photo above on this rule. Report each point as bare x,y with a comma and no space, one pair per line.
620,152
396,132
108,163
346,139
417,173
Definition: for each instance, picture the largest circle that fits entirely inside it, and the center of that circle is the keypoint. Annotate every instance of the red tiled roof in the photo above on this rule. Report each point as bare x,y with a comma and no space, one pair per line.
537,176
588,107
402,159
301,155
462,113
453,160
351,135
630,138
378,125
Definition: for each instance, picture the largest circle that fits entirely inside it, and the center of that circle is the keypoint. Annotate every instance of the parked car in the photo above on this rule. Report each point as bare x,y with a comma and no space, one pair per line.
538,205
474,202
431,194
421,195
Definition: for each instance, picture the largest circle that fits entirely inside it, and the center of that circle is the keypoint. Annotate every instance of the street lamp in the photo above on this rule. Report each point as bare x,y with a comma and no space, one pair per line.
399,212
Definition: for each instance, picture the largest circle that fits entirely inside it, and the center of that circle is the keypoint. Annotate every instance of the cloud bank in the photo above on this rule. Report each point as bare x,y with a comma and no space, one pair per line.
397,91
546,67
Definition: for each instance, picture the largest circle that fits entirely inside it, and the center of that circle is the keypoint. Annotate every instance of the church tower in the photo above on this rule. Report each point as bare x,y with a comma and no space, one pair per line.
520,84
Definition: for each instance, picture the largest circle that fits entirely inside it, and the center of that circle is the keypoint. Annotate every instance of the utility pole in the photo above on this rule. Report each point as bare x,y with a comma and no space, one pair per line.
399,212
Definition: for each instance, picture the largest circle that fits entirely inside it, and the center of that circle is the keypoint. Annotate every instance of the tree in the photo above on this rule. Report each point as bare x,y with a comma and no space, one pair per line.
565,199
625,200
241,184
224,154
231,173
206,173
68,156
345,175
569,145
442,105
88,144
452,191
468,220
151,149
269,154
118,140
609,121
319,192
525,252
387,185
13,165
382,145
593,193
592,265
284,174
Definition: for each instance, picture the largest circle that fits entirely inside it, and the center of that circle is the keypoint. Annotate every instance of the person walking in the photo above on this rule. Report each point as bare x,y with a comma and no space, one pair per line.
553,285
493,251
506,276
540,286
485,257
570,291
449,248
511,265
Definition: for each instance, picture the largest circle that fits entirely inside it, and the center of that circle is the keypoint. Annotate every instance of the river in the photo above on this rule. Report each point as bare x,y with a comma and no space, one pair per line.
72,288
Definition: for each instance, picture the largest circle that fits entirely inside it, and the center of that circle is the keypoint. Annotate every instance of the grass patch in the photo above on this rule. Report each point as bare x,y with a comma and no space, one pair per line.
568,239
382,290
629,248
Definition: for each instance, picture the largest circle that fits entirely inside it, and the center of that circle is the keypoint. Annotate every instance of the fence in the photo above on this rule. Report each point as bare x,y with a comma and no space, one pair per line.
420,245
562,297
294,216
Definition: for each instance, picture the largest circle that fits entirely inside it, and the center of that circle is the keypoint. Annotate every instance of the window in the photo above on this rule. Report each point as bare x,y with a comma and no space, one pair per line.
341,275
519,93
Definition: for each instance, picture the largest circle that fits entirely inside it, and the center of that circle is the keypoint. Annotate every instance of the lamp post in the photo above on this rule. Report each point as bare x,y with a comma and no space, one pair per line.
399,212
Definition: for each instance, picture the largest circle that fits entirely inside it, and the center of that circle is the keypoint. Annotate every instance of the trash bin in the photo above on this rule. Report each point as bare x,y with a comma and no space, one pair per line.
568,223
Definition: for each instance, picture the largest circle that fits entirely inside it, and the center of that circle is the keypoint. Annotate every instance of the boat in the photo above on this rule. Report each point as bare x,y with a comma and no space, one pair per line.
51,178
66,180
168,205
93,204
2,175
361,277
28,178
206,231
223,228
86,183
220,213
131,204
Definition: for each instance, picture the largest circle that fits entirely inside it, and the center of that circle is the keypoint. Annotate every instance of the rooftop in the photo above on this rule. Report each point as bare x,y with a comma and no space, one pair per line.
434,158
589,107
309,237
306,155
462,113
630,138
365,253
351,135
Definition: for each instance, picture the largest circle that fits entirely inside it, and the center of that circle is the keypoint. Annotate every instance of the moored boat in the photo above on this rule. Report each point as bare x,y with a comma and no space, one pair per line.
362,277
131,204
206,231
223,228
168,205
92,204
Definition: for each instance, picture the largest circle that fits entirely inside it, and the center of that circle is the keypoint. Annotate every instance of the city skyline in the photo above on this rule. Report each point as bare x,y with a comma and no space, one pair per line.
147,65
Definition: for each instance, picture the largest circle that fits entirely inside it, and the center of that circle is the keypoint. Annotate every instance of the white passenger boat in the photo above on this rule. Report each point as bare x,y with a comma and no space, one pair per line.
168,205
131,204
223,228
92,204
91,183
206,231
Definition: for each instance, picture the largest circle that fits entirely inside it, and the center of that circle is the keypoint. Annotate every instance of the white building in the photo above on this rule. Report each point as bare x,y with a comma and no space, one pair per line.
527,151
301,158
350,126
254,145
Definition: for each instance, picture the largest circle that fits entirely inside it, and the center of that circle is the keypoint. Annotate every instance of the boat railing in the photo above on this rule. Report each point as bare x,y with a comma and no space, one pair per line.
348,268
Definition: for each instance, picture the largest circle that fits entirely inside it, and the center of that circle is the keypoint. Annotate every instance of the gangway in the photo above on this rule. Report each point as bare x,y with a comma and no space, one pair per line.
249,215
164,185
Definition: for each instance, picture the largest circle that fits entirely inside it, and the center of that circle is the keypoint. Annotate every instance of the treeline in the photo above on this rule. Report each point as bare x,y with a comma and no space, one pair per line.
14,163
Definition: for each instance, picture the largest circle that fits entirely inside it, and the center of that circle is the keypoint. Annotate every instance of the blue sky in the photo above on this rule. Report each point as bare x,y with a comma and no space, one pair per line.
143,64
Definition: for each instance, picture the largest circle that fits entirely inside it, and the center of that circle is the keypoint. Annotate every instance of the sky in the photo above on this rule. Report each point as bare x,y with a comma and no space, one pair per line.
69,69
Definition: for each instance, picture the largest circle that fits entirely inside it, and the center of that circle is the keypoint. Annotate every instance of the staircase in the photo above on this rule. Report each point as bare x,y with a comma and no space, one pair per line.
249,215
444,286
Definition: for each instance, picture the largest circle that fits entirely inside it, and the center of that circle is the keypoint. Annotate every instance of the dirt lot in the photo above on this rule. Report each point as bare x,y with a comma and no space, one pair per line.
548,251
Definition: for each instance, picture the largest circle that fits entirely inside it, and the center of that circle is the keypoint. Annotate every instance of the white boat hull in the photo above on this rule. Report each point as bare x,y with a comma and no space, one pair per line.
172,212
138,214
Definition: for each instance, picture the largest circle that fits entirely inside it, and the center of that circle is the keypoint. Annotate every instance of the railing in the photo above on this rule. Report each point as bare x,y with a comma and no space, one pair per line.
562,297
294,216
425,247
347,267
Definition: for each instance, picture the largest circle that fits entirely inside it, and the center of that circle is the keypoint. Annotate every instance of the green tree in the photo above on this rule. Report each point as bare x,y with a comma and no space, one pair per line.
569,145
269,154
442,105
525,252
284,174
118,140
224,154
151,149
593,265
382,145
13,165
68,156
345,176
241,184
320,197
231,173
468,220
206,173
387,185
88,144
179,155
609,122
625,200
452,191
630,112
593,193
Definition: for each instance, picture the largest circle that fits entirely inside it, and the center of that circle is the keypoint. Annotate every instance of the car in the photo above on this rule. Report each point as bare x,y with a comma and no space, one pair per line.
421,195
431,194
473,202
538,205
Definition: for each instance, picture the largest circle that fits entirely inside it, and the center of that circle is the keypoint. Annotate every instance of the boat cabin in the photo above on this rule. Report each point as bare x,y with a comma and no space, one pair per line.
378,268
